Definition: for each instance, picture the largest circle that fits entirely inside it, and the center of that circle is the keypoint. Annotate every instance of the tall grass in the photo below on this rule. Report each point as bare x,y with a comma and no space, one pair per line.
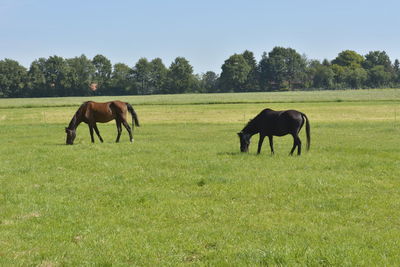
182,194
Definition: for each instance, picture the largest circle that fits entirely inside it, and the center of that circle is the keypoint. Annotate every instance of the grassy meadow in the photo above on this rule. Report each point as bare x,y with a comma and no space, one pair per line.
183,194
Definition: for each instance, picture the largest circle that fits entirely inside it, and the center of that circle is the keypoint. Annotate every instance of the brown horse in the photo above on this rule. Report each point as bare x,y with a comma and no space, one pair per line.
91,112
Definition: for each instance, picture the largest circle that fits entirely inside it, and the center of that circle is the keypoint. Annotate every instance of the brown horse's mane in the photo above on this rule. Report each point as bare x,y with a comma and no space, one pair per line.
77,114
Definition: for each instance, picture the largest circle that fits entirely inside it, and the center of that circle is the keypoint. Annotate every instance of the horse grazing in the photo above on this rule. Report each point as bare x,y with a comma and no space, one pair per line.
91,112
275,123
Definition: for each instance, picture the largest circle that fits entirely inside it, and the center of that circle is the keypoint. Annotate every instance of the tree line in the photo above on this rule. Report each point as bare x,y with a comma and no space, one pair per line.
280,69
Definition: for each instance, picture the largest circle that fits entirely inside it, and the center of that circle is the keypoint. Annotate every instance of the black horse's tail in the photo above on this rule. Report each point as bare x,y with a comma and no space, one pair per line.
135,120
307,130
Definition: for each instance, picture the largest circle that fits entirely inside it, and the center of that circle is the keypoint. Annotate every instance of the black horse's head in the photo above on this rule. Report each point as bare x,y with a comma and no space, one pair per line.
71,134
244,141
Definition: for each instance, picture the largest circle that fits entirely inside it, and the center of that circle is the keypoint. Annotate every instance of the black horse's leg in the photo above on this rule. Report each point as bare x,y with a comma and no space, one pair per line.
91,132
260,141
128,128
119,130
294,145
271,144
97,132
298,146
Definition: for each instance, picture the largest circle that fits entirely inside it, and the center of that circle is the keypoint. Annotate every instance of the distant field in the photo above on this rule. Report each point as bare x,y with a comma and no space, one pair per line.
269,97
182,194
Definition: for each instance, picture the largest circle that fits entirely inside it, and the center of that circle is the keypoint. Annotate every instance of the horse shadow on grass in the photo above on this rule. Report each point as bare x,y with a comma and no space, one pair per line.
237,154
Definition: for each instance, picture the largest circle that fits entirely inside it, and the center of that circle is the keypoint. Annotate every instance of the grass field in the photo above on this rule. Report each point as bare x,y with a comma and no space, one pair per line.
182,194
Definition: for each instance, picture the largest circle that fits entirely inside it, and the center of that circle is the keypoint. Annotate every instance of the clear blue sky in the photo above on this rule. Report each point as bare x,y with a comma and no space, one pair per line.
205,32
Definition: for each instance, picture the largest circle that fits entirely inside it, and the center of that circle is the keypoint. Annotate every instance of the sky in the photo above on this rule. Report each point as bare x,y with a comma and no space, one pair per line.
205,32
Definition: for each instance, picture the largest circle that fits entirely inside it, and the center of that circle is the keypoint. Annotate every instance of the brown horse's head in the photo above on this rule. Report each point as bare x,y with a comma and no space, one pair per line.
71,134
244,141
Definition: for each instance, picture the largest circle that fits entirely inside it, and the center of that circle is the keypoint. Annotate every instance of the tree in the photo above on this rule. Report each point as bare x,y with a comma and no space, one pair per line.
81,73
36,78
326,62
376,58
54,70
102,73
348,58
378,76
355,77
339,77
263,71
121,79
234,75
180,77
209,82
141,75
157,76
323,77
379,67
252,78
396,69
282,66
13,78
310,71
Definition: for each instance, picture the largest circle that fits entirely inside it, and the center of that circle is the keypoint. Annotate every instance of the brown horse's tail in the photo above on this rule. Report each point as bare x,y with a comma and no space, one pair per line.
135,120
307,130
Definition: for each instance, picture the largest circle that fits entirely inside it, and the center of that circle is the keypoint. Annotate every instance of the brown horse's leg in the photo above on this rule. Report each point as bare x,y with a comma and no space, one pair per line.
260,141
97,132
91,132
271,144
128,128
119,130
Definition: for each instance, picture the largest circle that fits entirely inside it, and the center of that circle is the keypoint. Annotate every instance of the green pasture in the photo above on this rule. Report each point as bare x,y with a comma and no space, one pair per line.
182,194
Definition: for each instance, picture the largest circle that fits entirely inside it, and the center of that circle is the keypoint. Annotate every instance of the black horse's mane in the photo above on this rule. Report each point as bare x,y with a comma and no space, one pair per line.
254,121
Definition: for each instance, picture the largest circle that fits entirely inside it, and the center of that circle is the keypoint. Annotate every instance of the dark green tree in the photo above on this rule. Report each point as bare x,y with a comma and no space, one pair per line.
396,69
326,62
355,77
102,74
282,68
36,78
13,78
55,72
378,76
80,73
251,84
339,76
209,82
234,75
376,58
157,76
141,75
323,77
263,71
180,77
310,71
379,68
121,80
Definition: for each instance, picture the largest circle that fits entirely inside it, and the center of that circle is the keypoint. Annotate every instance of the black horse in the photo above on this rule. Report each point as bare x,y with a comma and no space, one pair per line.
275,123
